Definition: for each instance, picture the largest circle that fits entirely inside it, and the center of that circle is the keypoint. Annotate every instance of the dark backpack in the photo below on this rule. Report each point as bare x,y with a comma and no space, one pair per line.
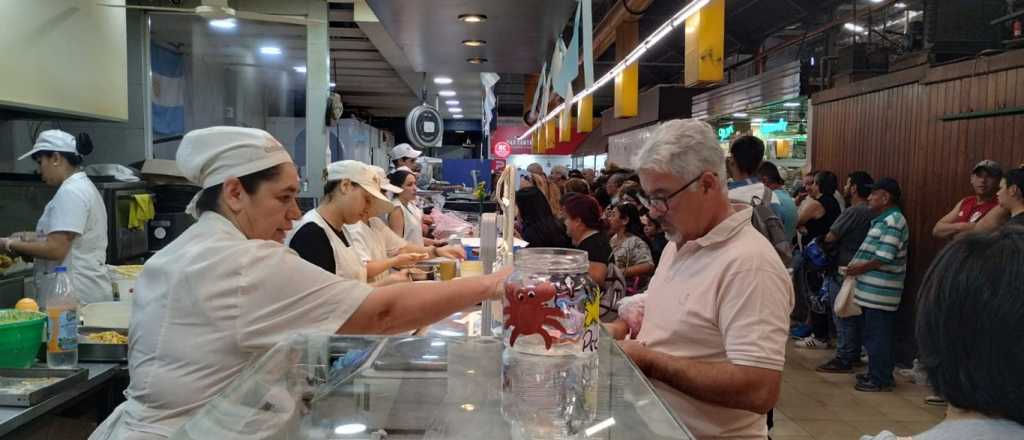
770,225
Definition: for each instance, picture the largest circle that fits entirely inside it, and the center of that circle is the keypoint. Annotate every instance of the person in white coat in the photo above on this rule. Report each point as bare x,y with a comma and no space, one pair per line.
352,191
225,291
72,232
381,249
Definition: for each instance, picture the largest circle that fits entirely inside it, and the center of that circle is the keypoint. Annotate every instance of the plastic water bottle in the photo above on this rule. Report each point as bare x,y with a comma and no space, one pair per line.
62,325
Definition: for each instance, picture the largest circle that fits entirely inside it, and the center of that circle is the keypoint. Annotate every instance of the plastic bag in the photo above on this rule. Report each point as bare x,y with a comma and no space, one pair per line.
446,225
631,310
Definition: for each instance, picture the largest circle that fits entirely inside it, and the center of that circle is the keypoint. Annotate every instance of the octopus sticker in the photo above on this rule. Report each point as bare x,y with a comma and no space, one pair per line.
528,312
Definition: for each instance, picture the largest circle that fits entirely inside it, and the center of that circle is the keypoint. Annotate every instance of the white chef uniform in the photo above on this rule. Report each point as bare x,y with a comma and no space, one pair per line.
347,263
78,207
214,301
412,216
374,240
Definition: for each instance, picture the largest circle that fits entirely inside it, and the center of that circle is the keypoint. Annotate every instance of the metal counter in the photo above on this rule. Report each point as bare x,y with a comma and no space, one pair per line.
99,373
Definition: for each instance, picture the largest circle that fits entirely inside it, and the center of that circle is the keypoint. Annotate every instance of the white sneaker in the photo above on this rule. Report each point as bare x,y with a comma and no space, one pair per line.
811,343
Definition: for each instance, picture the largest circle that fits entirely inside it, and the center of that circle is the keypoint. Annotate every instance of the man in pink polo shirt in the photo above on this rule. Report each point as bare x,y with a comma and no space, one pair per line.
713,337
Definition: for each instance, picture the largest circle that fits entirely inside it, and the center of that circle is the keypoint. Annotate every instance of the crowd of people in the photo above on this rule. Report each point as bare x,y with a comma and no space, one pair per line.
720,303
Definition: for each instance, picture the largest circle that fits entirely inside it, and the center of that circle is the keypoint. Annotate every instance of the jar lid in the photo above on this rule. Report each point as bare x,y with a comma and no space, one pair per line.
552,260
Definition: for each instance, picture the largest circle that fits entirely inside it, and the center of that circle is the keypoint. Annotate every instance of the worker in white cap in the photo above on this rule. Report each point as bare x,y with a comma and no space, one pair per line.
72,232
381,249
227,289
352,191
403,157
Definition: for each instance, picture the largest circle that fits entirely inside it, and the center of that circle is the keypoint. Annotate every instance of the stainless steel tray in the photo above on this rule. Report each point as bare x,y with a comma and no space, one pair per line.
18,387
93,352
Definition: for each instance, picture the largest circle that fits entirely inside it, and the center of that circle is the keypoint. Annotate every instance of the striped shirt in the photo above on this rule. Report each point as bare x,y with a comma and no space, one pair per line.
882,288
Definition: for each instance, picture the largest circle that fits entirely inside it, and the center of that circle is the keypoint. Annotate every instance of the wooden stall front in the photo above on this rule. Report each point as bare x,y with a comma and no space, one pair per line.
927,127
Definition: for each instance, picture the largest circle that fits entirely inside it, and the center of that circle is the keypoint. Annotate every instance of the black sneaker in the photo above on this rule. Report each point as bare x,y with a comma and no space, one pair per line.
863,377
835,365
871,387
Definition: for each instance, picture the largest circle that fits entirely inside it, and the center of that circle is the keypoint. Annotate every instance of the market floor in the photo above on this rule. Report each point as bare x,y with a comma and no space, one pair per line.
825,406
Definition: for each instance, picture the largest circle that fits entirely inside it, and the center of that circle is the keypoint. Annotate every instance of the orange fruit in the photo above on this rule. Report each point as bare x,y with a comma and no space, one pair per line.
27,304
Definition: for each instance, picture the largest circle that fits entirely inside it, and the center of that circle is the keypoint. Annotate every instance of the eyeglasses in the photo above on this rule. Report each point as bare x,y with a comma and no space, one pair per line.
661,203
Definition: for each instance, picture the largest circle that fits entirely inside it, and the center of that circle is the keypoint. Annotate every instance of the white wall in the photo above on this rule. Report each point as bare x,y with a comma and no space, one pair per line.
64,56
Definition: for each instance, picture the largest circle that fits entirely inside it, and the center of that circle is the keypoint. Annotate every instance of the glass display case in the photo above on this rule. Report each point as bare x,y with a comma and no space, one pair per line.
320,386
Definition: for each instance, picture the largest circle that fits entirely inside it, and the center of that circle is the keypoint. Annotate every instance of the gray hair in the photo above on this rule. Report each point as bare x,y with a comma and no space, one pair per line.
560,170
535,168
684,148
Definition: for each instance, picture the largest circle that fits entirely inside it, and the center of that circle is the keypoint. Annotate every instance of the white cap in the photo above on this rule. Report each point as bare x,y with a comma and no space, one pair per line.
53,140
385,183
209,156
404,150
365,176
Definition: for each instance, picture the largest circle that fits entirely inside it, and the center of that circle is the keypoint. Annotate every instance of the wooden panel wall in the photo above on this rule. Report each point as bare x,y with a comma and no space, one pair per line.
896,131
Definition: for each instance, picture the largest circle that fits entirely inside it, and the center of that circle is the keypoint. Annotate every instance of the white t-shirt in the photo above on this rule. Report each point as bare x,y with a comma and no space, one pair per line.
725,297
78,207
206,306
374,241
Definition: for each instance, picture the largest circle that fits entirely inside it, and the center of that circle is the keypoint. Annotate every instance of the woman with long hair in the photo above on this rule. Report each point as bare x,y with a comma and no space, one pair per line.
631,252
551,192
539,226
583,224
406,219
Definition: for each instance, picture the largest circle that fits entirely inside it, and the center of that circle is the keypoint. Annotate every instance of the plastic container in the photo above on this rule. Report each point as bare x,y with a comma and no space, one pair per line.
21,333
62,310
551,330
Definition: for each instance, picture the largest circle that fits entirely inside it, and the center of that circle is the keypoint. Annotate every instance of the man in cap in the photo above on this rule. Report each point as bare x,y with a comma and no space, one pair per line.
880,267
970,211
403,156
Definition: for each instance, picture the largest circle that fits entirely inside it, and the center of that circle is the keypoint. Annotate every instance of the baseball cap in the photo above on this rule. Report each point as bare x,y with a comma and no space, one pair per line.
889,185
365,176
53,141
992,167
404,150
209,156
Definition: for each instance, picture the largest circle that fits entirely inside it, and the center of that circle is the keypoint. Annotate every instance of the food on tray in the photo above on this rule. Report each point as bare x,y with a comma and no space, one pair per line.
6,262
128,271
107,337
9,316
18,385
27,304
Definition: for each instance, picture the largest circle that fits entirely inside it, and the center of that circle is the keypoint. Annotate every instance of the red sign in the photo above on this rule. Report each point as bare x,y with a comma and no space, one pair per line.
505,136
502,150
497,165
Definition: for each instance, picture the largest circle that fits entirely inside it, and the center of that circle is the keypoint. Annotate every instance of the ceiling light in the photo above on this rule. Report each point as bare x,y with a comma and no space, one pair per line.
454,110
474,43
476,60
791,104
452,102
900,5
442,80
457,116
300,69
854,28
459,132
757,120
333,84
446,93
270,50
227,23
876,1
739,115
661,32
473,18
349,429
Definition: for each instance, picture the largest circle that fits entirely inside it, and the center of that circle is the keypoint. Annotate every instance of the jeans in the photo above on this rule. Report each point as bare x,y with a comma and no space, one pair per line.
848,330
878,336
